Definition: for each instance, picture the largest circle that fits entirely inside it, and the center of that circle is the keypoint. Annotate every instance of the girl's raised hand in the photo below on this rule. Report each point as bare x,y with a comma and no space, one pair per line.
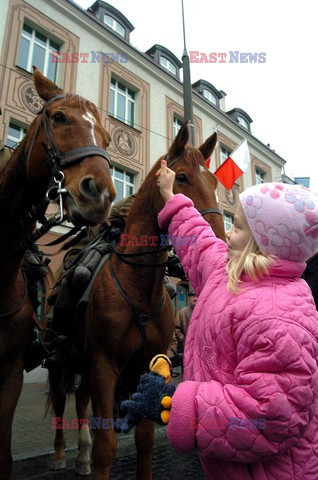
165,180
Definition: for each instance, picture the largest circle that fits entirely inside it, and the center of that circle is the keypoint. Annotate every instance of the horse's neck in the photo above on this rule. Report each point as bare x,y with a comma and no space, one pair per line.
142,222
14,203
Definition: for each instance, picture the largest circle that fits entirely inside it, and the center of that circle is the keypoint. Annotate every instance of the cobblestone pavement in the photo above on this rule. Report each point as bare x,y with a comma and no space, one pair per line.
33,437
167,465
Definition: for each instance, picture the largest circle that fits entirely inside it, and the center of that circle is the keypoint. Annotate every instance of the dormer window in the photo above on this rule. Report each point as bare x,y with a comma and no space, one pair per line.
209,96
241,117
166,59
168,65
208,92
242,122
112,23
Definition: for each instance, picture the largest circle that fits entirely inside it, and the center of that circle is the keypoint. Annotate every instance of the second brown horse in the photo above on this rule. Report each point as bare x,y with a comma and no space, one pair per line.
116,336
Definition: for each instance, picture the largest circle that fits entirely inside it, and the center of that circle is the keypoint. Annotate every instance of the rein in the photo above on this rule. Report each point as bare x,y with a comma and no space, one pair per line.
141,317
122,256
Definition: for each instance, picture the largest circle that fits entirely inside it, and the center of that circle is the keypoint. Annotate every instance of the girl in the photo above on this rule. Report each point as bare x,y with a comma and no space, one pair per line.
248,401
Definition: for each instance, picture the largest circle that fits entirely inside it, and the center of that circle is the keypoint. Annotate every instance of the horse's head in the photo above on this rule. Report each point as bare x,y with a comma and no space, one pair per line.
193,178
68,137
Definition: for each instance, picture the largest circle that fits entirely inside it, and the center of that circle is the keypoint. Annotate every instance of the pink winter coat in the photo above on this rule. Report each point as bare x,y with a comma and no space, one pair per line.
249,399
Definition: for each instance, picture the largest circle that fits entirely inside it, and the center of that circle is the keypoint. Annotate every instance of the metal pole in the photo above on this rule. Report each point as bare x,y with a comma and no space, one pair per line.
187,87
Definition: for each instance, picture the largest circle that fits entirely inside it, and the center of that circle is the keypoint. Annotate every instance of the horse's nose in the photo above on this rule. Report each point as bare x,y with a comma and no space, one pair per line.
92,190
88,188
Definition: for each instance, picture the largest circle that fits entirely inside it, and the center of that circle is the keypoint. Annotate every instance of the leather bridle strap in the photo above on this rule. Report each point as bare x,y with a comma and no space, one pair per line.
207,211
78,153
71,156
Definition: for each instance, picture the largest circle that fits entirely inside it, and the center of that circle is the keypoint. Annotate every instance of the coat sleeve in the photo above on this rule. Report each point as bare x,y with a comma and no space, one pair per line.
268,407
199,250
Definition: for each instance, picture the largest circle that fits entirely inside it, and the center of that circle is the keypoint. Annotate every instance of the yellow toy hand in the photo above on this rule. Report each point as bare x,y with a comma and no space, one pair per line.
161,365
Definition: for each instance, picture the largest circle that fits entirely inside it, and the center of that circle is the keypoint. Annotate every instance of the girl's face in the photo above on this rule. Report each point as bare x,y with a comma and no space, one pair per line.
239,235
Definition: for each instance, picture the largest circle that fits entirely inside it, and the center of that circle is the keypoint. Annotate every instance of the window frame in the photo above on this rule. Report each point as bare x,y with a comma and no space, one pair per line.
207,94
177,124
223,149
228,215
173,71
243,122
15,140
128,101
126,183
260,176
49,47
115,24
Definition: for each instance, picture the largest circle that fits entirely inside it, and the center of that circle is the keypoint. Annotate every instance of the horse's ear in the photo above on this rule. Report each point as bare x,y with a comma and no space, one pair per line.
179,142
208,146
45,88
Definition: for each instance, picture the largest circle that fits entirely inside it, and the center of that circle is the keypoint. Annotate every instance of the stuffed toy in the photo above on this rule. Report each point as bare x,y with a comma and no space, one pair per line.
153,397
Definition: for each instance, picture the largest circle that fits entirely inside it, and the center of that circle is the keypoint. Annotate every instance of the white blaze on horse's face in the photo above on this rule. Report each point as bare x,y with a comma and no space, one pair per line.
92,120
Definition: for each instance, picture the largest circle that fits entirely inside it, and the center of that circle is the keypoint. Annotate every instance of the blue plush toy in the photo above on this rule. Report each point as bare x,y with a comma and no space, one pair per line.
153,397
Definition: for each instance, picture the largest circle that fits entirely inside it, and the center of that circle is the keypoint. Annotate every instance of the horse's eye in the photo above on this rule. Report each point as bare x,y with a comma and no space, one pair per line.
181,178
59,117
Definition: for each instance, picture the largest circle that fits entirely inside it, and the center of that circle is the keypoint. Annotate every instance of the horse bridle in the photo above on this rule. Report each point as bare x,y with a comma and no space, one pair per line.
206,211
53,153
57,161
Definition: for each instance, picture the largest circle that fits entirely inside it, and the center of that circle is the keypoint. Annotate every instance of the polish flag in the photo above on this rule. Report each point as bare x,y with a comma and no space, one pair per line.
234,166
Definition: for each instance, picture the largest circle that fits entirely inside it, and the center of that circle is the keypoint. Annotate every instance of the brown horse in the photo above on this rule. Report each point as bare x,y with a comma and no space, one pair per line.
65,146
129,319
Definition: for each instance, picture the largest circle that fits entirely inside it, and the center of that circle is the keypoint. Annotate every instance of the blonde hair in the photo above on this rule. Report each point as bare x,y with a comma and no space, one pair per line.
252,261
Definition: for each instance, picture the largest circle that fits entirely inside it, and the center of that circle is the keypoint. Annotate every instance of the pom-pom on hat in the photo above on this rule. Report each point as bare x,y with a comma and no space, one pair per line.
283,219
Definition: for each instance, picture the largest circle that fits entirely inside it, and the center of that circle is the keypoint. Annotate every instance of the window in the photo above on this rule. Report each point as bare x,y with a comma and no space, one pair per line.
114,25
259,176
124,182
35,49
122,102
15,134
224,154
242,122
168,65
209,96
228,221
177,124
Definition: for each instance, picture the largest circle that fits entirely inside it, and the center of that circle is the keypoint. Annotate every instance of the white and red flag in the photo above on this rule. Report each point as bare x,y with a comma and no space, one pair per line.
234,166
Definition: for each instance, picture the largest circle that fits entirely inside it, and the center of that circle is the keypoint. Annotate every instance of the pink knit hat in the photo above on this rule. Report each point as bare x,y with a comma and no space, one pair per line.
283,219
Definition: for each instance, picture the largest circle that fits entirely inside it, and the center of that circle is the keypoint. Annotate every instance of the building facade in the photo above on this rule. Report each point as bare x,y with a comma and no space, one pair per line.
139,94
